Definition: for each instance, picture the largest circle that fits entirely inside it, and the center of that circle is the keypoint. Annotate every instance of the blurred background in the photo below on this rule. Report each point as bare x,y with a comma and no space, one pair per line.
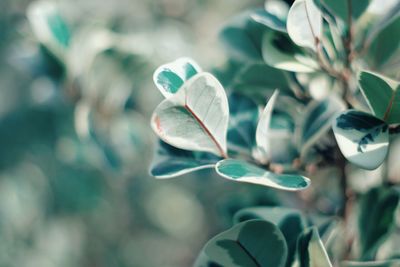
75,141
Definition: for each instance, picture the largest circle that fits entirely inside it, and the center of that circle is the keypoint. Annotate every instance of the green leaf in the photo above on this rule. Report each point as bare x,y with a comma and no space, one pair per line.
317,120
290,221
376,219
254,243
260,77
382,95
340,8
362,138
280,52
270,20
242,37
304,23
196,117
311,251
243,119
263,129
241,171
171,162
381,42
49,27
171,76
386,263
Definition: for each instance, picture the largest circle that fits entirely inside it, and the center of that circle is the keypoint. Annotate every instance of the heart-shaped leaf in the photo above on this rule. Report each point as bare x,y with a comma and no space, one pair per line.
241,171
280,52
311,251
171,76
171,162
290,221
196,117
317,120
362,138
382,95
262,132
254,243
49,26
304,23
242,122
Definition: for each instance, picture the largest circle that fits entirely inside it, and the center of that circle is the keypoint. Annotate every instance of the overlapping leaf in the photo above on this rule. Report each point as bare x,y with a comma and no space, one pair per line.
196,117
382,94
254,243
170,161
362,138
171,76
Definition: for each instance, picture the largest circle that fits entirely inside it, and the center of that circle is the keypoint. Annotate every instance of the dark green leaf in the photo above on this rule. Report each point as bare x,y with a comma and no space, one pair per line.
254,243
170,161
376,219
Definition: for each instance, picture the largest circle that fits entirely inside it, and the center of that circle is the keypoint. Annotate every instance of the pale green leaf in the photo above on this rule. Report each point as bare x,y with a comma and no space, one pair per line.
241,171
362,138
171,76
304,23
196,117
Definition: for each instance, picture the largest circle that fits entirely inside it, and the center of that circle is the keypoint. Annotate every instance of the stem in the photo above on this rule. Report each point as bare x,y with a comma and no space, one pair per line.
349,38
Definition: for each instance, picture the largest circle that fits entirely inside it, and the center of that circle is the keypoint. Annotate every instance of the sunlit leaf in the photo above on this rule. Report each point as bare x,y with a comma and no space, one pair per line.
171,162
196,117
263,127
241,171
304,23
171,76
252,243
382,95
362,138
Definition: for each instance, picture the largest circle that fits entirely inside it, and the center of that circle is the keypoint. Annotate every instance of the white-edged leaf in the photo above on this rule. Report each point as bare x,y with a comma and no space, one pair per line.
196,117
49,26
171,76
280,52
242,171
362,138
170,161
311,251
304,23
263,145
382,95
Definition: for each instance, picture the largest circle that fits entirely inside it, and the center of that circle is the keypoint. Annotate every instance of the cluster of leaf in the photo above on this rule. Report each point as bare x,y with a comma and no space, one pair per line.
321,64
278,236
